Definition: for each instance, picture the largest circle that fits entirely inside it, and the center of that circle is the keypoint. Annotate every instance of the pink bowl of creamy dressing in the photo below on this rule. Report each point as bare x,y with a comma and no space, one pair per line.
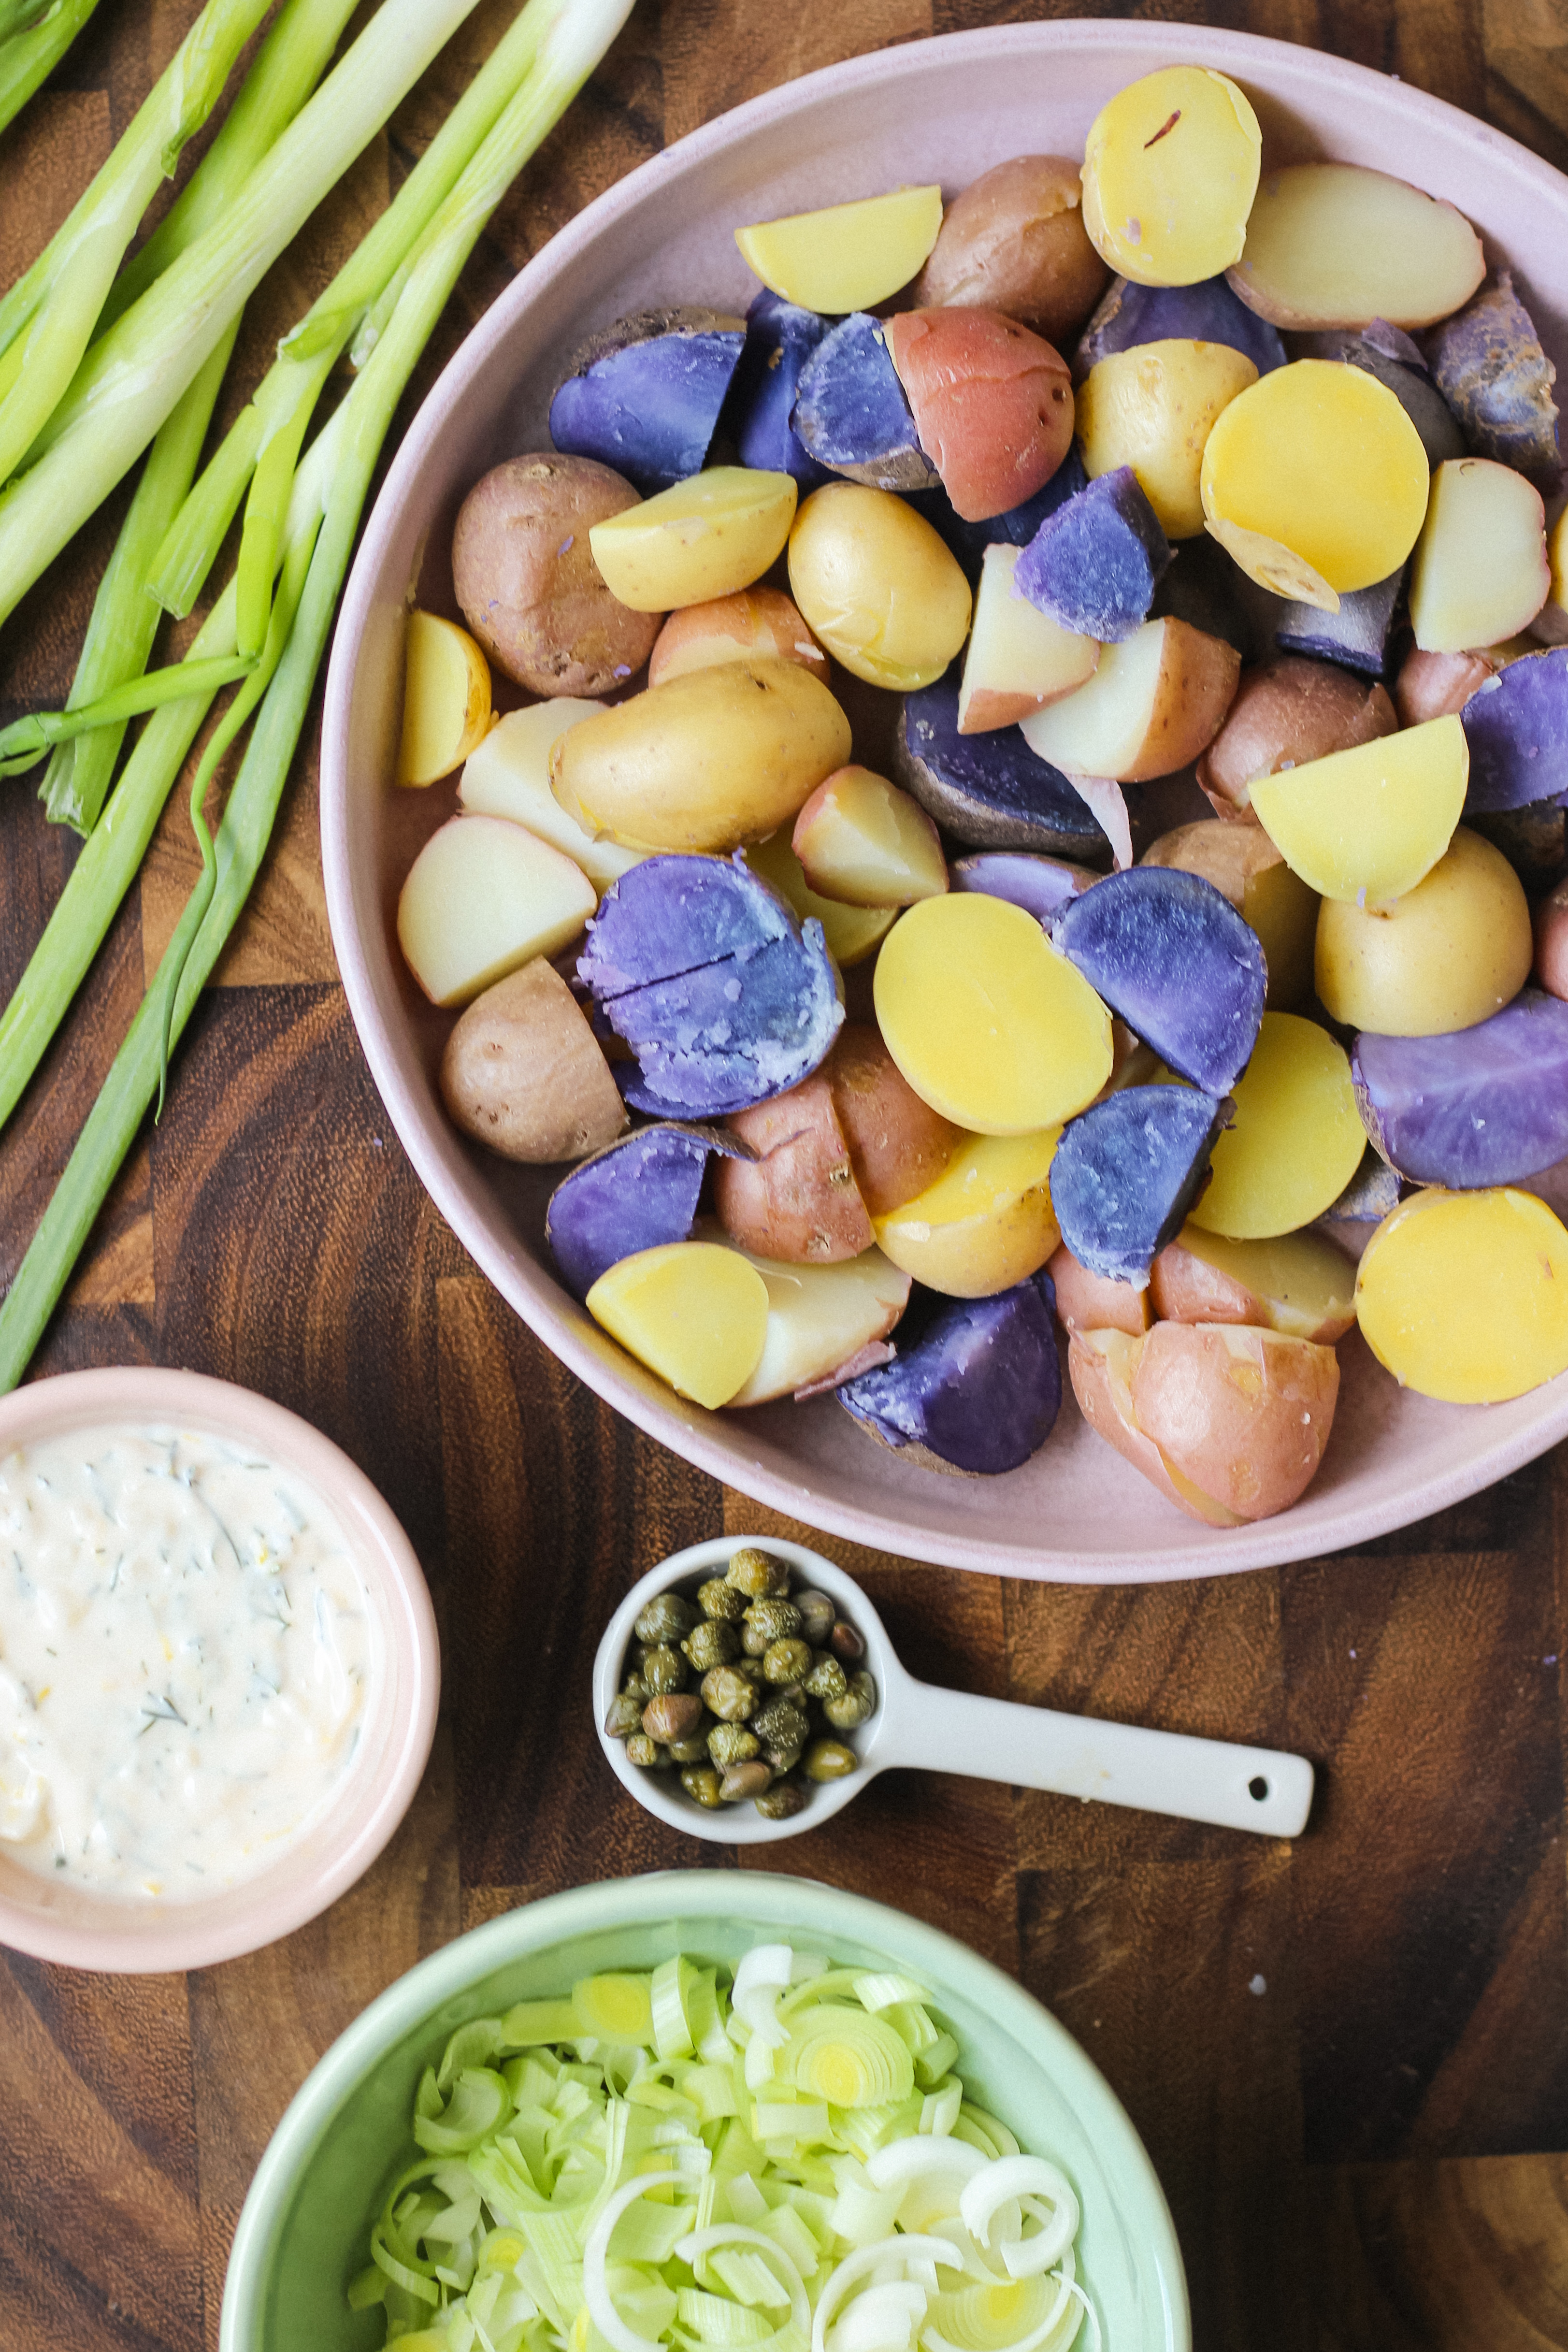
218,1671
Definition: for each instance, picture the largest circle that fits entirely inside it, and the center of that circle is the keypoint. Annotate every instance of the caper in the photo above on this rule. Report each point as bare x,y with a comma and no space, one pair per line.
721,1599
767,1622
752,1669
729,1696
858,1702
711,1644
701,1782
794,1693
829,1759
780,1802
817,1616
674,1716
755,1573
845,1643
783,1760
635,1688
780,1724
786,1660
624,1717
731,1743
827,1678
663,1669
743,1780
665,1618
692,1749
641,1749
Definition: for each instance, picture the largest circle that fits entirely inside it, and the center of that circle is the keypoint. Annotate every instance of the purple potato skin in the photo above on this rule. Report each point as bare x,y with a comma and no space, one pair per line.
1369,1196
639,1191
851,413
1169,954
978,1391
1356,636
1208,312
1093,566
644,396
1516,725
1482,1105
721,994
967,541
779,339
990,790
1039,885
1403,375
1498,380
1126,1173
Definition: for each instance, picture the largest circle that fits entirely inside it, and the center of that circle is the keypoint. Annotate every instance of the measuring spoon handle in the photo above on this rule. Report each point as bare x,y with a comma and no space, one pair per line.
1239,1788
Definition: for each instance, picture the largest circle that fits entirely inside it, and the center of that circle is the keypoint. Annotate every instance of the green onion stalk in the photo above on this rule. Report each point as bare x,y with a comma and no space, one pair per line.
133,375
125,619
29,56
48,317
577,34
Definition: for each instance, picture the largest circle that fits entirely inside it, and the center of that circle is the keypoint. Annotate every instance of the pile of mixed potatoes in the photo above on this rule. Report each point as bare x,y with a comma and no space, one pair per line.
1250,522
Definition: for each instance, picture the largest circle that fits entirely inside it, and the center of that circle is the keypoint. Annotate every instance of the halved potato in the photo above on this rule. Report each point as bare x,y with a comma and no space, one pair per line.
898,1144
985,1223
847,257
1155,702
819,1317
862,840
694,1312
1093,1302
482,897
754,624
705,538
523,1073
508,775
1336,245
1245,866
797,1200
1100,1366
1242,1416
1365,825
1300,1284
1480,573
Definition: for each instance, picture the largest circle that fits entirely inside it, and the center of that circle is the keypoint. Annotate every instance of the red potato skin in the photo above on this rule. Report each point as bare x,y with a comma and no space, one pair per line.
1014,241
1552,942
1437,685
1091,1302
1289,710
798,1201
1090,1375
757,623
1185,1290
1246,1427
992,403
898,1144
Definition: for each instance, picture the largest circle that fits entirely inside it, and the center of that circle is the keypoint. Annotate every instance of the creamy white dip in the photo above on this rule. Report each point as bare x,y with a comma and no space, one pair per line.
187,1658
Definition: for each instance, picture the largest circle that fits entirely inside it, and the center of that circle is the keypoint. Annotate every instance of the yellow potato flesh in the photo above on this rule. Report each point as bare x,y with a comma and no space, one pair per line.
851,932
1321,459
1336,245
446,699
1019,659
847,257
707,537
877,586
1170,169
1367,824
859,839
705,762
1464,1296
508,775
1102,728
694,1312
987,1024
1480,573
1153,408
985,1223
1452,952
818,1318
1297,1139
482,897
1299,1283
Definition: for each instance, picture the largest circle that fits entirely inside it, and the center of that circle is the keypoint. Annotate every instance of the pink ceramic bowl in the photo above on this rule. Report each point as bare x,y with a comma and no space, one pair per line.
87,1931
936,109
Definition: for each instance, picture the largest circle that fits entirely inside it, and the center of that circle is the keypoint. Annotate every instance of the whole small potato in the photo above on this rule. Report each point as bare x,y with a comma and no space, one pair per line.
523,1074
1450,953
1287,712
1153,407
527,581
1015,241
877,586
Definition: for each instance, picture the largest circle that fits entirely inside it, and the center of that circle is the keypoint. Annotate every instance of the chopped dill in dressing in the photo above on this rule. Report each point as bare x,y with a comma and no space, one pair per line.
186,1655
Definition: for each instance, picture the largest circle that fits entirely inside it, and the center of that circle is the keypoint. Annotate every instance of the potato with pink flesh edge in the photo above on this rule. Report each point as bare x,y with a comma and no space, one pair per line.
1244,866
1019,659
523,1074
862,840
526,580
1287,711
1439,686
1242,1415
1551,942
797,1200
1336,245
482,897
1097,1302
1155,701
992,403
1300,1284
1014,241
755,625
1480,571
898,1144
1101,1365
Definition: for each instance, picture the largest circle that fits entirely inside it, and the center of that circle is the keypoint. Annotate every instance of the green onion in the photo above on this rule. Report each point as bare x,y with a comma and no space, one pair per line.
17,15
29,57
24,743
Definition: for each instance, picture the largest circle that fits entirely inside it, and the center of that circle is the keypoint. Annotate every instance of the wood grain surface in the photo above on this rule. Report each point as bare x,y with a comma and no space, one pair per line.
1349,2057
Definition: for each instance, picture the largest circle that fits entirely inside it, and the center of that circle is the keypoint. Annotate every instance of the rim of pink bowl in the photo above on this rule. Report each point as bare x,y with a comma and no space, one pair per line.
123,1938
525,1286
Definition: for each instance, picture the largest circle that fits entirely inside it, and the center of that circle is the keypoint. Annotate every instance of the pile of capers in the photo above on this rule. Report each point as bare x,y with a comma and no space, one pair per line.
772,1668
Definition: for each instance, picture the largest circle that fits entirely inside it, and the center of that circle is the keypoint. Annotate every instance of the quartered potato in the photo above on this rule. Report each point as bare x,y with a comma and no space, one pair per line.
709,537
862,840
821,1318
1246,867
851,932
1170,168
446,699
1019,659
1155,702
1335,245
847,257
694,1312
523,1073
985,1223
1365,825
754,624
482,897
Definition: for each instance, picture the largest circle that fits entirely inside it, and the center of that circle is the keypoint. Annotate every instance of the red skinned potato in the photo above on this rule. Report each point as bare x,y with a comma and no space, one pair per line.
522,1072
1436,685
1241,1415
1094,1302
1100,1366
1300,1284
1014,241
898,1144
1552,942
755,625
862,840
797,1200
1285,713
992,403
526,581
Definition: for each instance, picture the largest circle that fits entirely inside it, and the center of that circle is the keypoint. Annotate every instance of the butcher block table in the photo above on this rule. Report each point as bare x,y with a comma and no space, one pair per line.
1349,2057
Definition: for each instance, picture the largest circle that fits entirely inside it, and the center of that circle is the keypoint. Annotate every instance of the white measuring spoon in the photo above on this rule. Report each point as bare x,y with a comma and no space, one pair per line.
940,1730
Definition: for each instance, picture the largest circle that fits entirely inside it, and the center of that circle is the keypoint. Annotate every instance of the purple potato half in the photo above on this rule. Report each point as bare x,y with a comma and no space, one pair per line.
1498,380
989,791
1476,1107
644,396
779,339
1171,955
968,541
1516,725
850,413
977,1390
1093,566
1126,1173
639,1191
1208,312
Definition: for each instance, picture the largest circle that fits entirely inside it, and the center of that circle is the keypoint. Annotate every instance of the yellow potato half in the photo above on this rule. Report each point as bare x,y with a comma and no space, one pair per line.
985,1223
1170,170
1367,824
846,256
446,708
1296,1140
1464,1296
694,1312
705,538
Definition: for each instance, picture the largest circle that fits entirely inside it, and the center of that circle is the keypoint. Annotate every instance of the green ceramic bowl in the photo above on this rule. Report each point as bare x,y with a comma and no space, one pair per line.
303,2233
